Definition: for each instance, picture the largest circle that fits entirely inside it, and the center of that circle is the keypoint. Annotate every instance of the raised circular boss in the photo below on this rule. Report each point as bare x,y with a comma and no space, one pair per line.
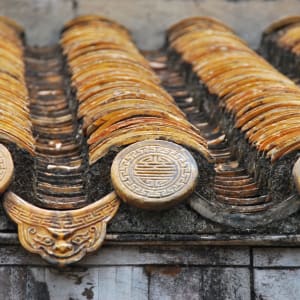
154,174
6,168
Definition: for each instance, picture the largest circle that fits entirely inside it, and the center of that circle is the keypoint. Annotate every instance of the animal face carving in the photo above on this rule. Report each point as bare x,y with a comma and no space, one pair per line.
61,237
62,247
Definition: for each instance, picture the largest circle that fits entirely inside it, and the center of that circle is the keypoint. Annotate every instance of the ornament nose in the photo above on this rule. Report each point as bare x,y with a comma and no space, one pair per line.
62,247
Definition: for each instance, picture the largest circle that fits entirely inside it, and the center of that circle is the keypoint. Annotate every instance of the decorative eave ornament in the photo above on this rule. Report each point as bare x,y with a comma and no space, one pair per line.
61,237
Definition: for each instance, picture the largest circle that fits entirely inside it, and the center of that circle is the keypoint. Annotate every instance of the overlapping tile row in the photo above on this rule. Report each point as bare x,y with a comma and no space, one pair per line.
120,100
15,122
256,106
234,190
15,117
54,215
280,44
60,161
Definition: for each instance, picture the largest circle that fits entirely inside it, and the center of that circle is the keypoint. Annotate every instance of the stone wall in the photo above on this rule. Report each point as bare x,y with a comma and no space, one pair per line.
155,273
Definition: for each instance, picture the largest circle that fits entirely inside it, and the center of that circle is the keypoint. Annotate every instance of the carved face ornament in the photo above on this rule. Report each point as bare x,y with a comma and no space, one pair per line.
56,245
61,237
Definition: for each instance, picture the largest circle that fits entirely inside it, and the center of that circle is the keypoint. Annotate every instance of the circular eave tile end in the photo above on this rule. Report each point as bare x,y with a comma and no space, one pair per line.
6,168
154,174
296,174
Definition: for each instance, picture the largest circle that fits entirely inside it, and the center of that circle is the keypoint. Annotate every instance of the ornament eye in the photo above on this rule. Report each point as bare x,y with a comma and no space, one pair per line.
79,239
48,241
45,240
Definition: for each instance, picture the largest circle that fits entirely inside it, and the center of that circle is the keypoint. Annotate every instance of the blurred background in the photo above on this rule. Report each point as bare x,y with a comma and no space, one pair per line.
147,19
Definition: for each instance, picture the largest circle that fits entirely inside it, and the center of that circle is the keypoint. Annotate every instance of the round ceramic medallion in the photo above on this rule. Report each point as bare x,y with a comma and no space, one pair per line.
154,174
6,168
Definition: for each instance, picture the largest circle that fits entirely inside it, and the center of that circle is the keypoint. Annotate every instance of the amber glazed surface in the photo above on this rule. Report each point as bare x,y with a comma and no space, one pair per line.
206,120
255,105
93,94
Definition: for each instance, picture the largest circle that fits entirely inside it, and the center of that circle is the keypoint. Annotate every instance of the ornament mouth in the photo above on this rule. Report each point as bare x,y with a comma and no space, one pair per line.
69,254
